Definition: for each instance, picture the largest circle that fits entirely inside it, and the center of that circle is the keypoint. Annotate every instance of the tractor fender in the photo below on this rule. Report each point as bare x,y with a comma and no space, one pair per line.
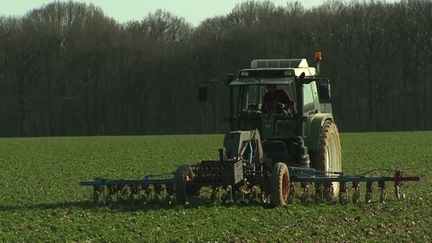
313,130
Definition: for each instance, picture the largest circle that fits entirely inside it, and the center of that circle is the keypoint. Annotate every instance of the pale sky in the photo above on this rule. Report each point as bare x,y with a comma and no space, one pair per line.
194,11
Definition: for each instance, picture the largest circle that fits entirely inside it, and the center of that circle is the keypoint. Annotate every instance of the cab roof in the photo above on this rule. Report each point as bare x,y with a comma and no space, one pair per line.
266,71
298,65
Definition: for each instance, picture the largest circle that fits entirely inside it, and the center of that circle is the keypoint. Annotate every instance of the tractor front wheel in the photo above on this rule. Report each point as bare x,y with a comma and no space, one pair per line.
279,185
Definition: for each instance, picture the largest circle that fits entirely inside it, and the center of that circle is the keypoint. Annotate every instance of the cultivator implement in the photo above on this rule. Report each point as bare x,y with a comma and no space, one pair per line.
228,187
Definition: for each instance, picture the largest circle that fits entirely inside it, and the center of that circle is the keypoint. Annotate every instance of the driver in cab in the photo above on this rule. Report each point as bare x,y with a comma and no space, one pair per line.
277,100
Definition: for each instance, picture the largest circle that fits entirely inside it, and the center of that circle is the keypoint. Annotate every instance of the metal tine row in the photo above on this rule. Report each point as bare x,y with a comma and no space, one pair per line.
325,192
133,193
159,193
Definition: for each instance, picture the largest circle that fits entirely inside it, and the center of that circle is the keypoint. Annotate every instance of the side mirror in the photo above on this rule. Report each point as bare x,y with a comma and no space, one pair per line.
202,93
324,93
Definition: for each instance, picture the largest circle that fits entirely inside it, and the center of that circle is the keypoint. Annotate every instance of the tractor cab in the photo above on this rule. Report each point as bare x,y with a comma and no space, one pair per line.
277,117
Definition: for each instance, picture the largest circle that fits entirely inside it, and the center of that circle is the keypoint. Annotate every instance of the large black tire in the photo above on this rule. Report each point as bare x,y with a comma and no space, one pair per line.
328,157
183,177
279,185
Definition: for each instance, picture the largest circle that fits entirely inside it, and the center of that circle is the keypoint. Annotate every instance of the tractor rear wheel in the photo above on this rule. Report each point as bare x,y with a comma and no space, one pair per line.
279,185
328,157
183,178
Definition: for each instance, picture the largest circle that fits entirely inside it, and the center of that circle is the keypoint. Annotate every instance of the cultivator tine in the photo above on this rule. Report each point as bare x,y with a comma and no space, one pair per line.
132,192
125,193
261,195
120,193
254,195
305,194
369,189
115,190
291,193
250,194
329,191
165,195
319,191
135,191
108,195
356,194
343,193
97,191
383,197
151,194
128,194
398,183
170,193
143,196
111,191
214,197
147,194
138,190
157,192
229,194
243,195
265,197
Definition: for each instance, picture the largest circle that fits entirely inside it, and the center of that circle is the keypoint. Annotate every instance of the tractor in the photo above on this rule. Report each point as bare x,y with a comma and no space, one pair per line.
281,131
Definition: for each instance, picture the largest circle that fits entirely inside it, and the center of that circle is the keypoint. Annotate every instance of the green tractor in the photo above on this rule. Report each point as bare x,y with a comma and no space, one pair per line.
305,135
282,131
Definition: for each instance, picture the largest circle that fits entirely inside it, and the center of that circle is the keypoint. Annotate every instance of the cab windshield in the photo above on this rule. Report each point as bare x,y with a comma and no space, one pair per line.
248,99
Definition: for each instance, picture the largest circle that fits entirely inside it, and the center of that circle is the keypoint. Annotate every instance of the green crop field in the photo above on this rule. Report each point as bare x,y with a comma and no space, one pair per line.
41,200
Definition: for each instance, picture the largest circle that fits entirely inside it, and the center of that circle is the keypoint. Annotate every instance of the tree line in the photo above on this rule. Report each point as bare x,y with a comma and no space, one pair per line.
68,69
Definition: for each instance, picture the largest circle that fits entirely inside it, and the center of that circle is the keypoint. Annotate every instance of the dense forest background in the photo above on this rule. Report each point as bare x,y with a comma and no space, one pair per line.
68,69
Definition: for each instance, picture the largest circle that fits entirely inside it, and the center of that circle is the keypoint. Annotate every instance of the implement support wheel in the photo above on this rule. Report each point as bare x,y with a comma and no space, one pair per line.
183,178
328,156
279,185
